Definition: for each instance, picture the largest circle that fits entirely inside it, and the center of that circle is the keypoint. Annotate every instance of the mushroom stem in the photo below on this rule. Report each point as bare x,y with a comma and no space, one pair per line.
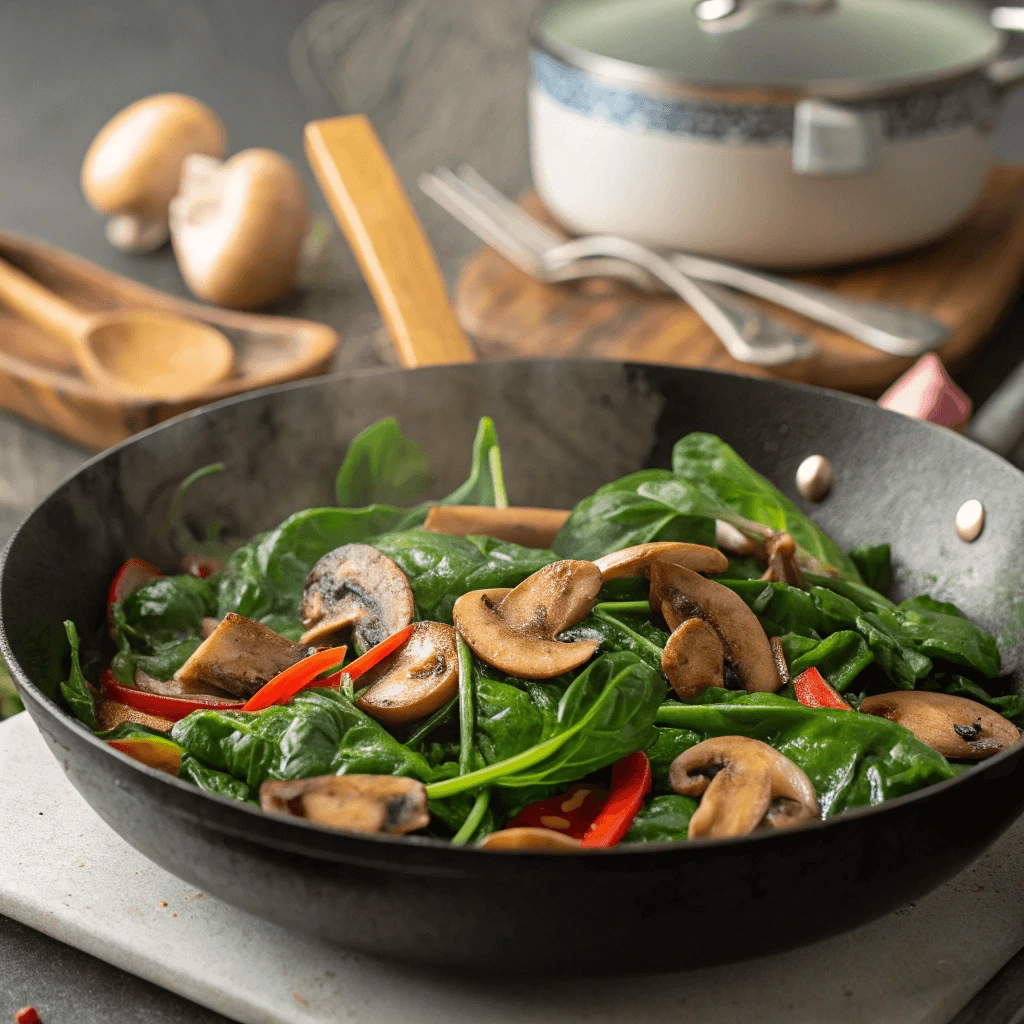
135,235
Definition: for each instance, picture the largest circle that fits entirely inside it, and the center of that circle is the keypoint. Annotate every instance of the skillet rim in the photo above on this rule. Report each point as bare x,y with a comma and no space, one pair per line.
285,823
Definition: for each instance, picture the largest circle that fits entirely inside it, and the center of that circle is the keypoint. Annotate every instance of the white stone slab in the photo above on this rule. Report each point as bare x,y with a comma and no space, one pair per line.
67,874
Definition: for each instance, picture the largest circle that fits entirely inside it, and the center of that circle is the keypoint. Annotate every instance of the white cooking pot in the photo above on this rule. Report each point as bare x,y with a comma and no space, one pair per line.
787,133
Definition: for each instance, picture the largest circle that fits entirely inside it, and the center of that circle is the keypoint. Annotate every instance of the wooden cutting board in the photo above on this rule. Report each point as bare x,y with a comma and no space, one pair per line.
40,381
966,280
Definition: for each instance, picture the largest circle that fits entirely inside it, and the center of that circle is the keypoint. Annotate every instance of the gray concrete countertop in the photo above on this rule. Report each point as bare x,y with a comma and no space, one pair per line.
443,81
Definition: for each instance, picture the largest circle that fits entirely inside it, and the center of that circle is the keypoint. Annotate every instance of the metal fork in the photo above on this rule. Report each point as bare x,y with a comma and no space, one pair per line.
892,329
748,335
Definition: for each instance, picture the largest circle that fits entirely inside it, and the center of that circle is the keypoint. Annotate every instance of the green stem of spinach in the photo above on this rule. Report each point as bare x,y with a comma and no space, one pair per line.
437,719
467,714
637,637
473,819
623,607
501,769
497,478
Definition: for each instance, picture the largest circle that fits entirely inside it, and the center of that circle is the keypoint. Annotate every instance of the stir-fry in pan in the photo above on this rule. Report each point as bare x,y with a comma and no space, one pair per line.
684,655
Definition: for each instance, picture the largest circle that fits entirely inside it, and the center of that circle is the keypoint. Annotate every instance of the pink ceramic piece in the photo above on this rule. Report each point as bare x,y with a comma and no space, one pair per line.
927,392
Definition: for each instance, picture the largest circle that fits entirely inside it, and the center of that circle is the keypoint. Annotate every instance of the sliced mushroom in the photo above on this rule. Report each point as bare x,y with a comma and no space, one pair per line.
356,803
515,630
732,539
681,594
544,839
528,527
177,687
238,657
954,726
111,713
357,588
743,784
782,562
636,561
416,680
693,659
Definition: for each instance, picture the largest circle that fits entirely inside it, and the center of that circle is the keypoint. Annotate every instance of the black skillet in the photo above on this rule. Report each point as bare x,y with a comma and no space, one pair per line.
566,427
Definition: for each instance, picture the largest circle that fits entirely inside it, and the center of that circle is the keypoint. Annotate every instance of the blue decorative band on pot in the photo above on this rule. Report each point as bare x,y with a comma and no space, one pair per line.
965,102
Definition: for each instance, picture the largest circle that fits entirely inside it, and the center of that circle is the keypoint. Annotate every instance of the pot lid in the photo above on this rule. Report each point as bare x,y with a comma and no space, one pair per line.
828,47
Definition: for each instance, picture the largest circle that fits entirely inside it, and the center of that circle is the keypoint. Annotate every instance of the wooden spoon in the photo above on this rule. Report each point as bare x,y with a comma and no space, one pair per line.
368,201
139,353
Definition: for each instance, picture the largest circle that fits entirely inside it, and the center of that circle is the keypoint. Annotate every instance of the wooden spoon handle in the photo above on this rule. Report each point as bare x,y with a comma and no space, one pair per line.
41,307
371,206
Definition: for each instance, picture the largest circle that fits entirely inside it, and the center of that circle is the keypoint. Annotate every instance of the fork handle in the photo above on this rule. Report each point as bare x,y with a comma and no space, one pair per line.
892,329
369,202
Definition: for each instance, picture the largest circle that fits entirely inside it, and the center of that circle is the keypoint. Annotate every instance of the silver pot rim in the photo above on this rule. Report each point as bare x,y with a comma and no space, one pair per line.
642,78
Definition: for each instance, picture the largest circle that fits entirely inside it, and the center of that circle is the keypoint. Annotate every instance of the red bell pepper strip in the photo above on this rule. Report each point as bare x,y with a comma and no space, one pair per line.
291,681
373,657
172,708
27,1015
158,753
135,573
631,782
571,813
813,691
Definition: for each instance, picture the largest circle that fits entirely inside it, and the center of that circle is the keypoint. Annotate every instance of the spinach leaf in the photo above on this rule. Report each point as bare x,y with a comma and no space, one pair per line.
939,630
852,760
442,568
874,563
901,663
780,608
618,516
382,466
710,466
665,819
75,690
320,732
621,633
1009,705
485,485
606,712
508,720
667,746
840,658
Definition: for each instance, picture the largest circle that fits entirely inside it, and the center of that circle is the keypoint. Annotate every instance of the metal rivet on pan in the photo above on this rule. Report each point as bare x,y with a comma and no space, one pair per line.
814,477
970,518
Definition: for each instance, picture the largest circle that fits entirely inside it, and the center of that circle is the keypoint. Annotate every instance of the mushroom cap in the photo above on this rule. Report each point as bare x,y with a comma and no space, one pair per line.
681,594
540,839
238,657
636,560
416,680
237,228
134,163
528,527
693,659
518,652
515,630
954,726
739,780
356,587
356,803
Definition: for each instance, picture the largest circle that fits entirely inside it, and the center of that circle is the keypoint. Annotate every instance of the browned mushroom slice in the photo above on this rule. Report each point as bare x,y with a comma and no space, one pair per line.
540,839
175,687
636,561
743,784
528,527
779,655
693,659
238,657
356,803
416,680
355,587
681,594
111,713
782,562
954,726
515,630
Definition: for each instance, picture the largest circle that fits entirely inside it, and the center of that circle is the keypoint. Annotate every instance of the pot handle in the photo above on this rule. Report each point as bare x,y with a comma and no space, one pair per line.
830,140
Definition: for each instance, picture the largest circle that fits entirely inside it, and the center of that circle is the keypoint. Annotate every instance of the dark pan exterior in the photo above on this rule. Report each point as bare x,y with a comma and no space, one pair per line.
566,427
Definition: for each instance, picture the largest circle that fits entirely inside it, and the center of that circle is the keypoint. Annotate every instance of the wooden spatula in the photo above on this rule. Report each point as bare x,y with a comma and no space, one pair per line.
369,203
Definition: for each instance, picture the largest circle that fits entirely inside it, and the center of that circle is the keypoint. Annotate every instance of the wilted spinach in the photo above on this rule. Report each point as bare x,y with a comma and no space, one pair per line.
665,819
75,690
